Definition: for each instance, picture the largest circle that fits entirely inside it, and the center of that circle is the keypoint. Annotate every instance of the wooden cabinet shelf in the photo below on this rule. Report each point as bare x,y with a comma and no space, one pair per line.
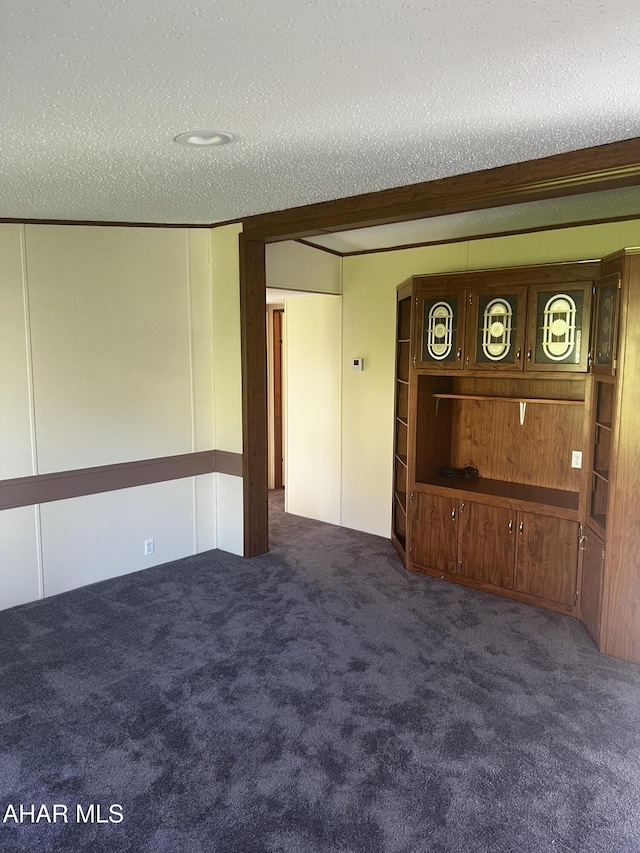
603,474
401,500
403,421
403,382
402,459
505,493
546,401
603,425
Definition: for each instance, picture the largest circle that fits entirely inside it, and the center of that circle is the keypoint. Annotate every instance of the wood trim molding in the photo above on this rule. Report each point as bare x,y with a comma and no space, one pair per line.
43,488
588,170
225,462
320,248
253,341
102,223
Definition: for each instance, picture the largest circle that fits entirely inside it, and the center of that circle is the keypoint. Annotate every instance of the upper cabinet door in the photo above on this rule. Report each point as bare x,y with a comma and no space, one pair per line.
558,326
496,328
605,326
440,336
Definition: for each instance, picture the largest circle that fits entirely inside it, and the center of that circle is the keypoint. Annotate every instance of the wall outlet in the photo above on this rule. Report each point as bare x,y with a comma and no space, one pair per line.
149,547
576,459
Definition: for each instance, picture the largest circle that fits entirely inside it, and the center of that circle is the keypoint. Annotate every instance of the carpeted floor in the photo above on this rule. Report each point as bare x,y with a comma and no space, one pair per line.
319,698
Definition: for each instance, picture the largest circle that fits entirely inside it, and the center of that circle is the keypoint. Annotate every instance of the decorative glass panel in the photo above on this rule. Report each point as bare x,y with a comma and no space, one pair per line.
497,319
605,338
558,337
440,326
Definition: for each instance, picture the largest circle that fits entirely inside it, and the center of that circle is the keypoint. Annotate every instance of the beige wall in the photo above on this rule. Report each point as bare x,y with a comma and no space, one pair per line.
313,359
369,287
294,266
227,380
107,345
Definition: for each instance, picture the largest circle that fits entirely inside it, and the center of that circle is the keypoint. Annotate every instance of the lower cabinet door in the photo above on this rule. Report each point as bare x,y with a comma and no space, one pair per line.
434,532
487,543
547,557
591,586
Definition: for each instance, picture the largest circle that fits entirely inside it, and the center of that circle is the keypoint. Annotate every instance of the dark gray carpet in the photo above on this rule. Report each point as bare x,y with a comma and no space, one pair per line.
319,698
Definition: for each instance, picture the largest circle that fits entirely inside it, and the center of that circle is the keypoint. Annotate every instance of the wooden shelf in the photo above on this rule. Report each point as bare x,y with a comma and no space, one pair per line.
404,340
603,425
402,420
403,381
549,402
602,474
401,459
401,499
600,520
518,493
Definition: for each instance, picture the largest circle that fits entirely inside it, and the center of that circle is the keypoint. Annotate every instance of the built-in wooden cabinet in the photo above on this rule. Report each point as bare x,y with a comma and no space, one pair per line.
486,543
559,319
531,376
497,548
547,558
434,529
605,325
497,317
401,417
593,556
441,318
533,319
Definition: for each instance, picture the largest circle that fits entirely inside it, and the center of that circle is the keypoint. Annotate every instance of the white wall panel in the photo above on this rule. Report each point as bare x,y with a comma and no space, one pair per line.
205,519
201,338
110,339
16,459
229,513
96,537
19,576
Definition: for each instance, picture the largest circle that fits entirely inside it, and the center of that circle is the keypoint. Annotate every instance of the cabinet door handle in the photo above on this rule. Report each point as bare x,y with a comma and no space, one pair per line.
511,525
521,528
529,354
462,507
453,514
459,354
581,543
518,354
467,361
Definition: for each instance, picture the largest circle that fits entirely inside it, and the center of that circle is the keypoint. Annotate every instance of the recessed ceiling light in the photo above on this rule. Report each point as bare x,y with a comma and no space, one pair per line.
203,137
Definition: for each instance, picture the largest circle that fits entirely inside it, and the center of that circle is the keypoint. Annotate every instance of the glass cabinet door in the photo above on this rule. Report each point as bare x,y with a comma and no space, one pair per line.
606,325
441,330
497,316
558,328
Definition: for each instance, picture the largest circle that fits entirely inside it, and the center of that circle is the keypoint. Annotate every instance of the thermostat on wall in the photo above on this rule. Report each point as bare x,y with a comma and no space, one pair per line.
357,363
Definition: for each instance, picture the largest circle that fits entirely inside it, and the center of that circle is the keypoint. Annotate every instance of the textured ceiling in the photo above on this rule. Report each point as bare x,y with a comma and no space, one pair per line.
327,98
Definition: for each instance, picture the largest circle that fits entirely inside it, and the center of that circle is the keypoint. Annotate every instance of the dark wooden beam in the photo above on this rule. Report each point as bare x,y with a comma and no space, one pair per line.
254,395
604,167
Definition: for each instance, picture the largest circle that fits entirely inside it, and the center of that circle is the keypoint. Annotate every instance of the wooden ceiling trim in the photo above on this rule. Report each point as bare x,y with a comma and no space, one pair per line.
603,167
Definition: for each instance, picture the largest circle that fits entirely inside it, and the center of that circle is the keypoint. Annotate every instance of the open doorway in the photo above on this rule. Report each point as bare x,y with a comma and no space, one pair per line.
304,403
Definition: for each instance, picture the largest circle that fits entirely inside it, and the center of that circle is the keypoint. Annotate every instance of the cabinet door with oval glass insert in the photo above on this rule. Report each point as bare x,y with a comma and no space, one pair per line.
496,330
440,335
558,326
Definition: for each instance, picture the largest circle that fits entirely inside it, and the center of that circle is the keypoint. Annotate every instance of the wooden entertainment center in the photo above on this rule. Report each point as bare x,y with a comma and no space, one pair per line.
516,372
